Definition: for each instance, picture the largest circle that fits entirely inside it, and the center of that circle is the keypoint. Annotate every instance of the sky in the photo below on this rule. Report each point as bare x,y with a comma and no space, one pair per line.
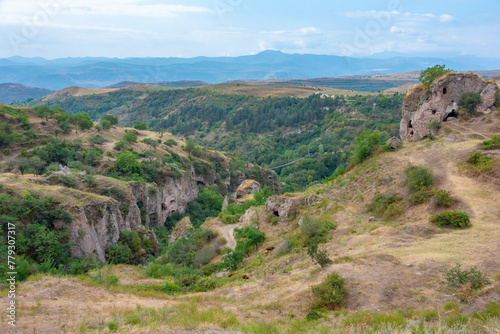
190,28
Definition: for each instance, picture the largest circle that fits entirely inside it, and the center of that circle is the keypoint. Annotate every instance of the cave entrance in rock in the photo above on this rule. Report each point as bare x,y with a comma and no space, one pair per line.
444,91
276,213
453,114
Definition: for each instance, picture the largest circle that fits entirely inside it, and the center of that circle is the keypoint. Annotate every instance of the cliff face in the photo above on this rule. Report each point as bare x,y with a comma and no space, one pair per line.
98,225
440,102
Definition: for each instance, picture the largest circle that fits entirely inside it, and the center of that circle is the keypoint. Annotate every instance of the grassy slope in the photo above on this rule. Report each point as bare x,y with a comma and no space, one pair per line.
387,264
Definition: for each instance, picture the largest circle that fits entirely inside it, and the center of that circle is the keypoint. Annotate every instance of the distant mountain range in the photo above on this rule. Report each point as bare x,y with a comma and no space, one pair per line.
103,72
15,92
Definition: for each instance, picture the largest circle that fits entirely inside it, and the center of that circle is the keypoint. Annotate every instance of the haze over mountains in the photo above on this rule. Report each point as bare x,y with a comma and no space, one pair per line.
103,72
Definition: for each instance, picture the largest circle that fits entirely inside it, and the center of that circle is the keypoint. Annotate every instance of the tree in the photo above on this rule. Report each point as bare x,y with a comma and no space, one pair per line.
431,73
109,118
23,165
130,136
127,163
84,121
140,126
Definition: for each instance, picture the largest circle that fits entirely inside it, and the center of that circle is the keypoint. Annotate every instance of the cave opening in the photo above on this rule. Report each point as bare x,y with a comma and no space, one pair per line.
410,126
434,112
276,213
444,91
452,114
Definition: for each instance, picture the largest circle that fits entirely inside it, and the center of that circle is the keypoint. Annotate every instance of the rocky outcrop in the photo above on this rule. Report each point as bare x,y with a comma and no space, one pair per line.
182,230
246,188
98,225
284,207
421,107
250,218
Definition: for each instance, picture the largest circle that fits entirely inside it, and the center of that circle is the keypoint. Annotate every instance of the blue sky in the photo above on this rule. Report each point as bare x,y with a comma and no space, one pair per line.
188,28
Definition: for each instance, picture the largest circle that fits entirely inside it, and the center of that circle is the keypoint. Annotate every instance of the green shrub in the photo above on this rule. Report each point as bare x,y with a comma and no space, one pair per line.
419,178
477,158
458,219
230,219
171,143
442,198
330,294
497,100
456,278
313,315
204,256
119,254
492,144
469,102
112,326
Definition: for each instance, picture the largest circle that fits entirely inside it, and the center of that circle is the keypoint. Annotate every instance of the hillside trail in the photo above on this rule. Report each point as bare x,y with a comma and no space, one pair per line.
229,235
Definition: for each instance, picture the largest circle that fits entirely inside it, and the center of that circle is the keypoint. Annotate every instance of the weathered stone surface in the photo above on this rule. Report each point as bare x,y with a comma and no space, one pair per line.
181,230
250,218
440,102
246,188
394,143
284,207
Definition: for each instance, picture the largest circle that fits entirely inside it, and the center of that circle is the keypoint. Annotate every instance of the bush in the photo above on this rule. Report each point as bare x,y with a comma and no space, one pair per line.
458,219
317,256
469,102
419,178
119,254
112,326
128,164
497,101
477,158
464,282
456,278
428,75
442,198
204,255
492,144
90,180
330,294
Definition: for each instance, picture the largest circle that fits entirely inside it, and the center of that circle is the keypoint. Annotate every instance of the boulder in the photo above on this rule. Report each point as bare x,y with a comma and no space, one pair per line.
182,230
394,143
440,102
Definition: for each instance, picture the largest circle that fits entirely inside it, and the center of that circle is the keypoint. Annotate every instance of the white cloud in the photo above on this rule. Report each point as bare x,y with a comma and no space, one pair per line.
99,7
446,18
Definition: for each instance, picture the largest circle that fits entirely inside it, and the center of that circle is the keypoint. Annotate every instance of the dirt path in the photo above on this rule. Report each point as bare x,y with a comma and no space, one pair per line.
229,235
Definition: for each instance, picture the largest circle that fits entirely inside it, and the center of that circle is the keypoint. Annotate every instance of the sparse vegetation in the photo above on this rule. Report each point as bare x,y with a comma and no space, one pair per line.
386,205
457,219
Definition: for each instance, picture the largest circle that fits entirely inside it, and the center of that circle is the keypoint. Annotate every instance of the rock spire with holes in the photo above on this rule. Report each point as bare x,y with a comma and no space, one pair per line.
423,106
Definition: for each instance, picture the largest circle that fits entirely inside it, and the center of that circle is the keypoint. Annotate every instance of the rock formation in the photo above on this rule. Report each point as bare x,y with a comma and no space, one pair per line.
440,102
181,230
246,188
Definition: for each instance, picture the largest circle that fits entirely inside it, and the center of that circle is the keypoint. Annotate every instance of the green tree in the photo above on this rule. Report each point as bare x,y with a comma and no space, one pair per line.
83,120
428,75
127,163
140,126
469,102
130,136
109,118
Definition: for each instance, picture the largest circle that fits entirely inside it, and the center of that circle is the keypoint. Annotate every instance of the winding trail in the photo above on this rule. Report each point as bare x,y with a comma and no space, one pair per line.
229,235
